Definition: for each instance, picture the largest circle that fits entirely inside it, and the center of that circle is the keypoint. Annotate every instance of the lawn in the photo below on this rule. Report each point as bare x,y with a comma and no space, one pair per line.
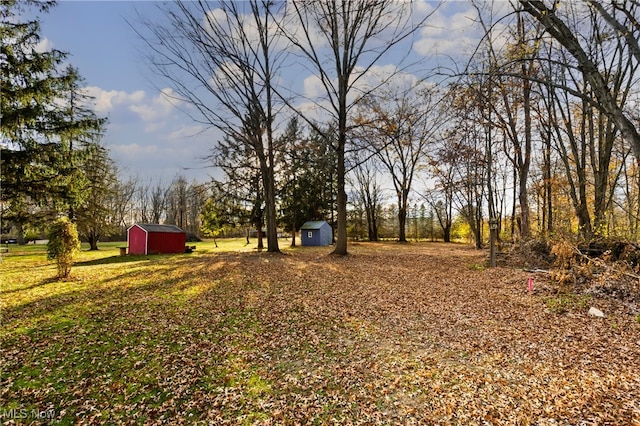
417,333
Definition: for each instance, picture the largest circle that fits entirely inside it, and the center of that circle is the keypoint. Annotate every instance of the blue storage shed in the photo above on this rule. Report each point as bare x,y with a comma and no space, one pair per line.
316,233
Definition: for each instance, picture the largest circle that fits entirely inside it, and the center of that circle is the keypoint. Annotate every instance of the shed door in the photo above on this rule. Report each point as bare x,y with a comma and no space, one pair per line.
137,241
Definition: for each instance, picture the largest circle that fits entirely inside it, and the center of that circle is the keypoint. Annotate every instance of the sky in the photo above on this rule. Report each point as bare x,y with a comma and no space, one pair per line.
147,135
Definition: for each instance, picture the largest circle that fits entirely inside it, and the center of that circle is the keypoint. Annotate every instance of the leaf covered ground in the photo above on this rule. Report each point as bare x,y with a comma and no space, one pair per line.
390,334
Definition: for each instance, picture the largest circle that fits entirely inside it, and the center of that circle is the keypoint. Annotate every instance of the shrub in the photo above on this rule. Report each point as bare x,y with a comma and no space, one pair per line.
565,254
63,245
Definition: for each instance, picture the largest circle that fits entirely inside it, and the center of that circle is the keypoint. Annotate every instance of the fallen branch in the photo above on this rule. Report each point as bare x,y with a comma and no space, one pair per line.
603,264
535,271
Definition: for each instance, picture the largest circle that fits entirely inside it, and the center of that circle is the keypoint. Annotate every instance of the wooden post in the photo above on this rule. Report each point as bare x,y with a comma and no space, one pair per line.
493,236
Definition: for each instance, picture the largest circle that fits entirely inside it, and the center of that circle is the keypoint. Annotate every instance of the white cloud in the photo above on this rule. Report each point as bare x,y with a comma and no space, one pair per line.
454,47
422,8
316,107
375,76
217,18
152,111
161,106
146,134
313,87
449,32
105,101
384,75
45,45
133,150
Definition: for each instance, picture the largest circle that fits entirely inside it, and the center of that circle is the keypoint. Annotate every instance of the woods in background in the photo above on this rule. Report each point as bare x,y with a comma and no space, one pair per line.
538,130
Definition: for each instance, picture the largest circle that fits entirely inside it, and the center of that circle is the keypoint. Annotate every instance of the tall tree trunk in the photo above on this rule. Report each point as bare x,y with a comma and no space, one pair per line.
374,225
341,240
513,206
446,234
293,236
606,101
20,231
402,223
601,160
523,199
270,188
478,237
260,236
524,165
370,223
582,210
402,217
272,220
548,188
93,241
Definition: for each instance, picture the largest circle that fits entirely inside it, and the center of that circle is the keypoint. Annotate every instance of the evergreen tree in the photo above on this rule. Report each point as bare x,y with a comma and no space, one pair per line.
79,132
94,215
240,189
306,175
45,129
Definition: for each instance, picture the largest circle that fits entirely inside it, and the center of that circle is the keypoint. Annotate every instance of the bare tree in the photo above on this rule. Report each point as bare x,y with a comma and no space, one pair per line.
399,126
222,61
158,201
197,196
440,200
582,133
358,34
601,95
368,193
627,28
122,204
143,199
177,202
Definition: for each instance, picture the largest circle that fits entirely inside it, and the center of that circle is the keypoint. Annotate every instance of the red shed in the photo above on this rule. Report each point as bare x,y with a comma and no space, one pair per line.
145,238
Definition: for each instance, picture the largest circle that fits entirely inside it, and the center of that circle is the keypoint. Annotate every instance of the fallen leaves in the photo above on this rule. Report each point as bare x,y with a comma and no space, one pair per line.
407,334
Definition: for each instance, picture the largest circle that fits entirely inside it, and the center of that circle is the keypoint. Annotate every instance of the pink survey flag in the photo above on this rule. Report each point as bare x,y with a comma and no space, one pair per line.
530,285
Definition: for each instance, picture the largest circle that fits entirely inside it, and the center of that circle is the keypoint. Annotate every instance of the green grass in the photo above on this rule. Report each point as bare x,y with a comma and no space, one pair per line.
566,302
110,331
477,267
112,248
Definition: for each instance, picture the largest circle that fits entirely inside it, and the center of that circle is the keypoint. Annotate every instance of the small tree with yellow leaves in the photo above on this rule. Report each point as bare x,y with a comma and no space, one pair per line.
63,245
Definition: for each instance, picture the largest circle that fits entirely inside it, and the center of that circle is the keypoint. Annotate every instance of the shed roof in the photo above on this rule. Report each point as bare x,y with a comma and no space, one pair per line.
314,224
152,227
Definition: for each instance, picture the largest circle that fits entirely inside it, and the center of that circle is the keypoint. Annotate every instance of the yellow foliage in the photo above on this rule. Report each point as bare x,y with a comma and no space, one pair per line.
564,253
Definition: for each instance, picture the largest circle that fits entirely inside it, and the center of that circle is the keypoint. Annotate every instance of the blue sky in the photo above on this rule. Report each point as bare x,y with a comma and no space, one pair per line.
146,134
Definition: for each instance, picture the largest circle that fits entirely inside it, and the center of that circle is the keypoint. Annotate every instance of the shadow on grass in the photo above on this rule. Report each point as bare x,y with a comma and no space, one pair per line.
40,284
109,288
112,260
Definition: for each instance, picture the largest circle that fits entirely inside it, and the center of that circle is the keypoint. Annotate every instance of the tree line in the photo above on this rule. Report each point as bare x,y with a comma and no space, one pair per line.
537,130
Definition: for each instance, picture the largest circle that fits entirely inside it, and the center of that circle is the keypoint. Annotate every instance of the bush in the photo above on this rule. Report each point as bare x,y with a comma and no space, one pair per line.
63,245
565,254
